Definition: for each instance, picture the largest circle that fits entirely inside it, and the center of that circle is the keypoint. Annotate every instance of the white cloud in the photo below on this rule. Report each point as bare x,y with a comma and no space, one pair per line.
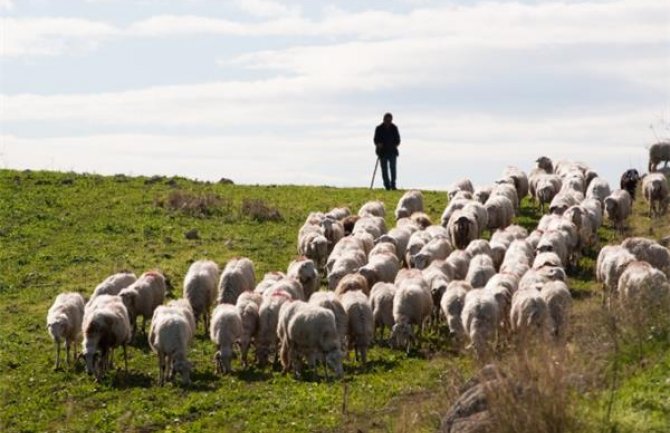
51,36
7,5
265,8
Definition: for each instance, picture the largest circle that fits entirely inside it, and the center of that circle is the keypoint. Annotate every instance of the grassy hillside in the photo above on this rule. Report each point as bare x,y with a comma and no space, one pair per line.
66,232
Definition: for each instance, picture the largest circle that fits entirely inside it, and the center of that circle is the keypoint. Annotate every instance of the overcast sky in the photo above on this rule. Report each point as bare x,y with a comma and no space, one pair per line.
264,91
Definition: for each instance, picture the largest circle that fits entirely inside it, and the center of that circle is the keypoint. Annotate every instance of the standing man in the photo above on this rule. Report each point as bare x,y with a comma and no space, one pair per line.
387,140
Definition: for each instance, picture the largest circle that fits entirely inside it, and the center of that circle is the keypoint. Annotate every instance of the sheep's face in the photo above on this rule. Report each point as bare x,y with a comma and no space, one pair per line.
334,362
183,367
129,298
610,207
57,328
401,213
545,164
369,274
421,260
262,355
333,279
481,196
437,290
91,357
401,334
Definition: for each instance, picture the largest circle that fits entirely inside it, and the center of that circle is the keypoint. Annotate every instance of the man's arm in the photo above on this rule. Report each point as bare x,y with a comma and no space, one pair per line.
397,137
377,138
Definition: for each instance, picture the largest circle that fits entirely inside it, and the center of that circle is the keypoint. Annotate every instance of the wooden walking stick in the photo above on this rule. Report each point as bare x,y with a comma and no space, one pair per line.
374,173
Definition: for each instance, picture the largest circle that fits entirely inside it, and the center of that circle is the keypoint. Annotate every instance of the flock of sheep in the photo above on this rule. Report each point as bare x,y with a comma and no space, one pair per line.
403,278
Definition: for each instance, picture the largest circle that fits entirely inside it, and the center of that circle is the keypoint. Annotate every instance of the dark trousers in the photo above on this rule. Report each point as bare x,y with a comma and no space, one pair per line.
388,162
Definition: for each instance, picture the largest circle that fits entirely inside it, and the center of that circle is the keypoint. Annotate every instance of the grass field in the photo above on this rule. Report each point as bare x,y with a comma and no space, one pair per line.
66,232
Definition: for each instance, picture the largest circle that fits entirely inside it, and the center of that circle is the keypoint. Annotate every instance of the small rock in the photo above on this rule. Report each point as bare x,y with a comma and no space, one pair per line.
192,234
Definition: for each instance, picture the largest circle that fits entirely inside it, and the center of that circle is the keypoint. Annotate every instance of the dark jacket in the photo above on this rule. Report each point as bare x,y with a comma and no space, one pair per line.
389,137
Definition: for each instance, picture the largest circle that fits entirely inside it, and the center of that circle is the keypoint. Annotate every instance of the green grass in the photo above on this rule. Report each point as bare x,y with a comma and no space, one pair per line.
66,232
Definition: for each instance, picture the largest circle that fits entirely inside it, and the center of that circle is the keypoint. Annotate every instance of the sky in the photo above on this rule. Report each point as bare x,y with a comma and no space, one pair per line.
289,92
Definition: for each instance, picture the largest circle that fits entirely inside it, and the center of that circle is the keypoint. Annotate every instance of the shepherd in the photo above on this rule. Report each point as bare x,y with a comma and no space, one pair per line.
387,140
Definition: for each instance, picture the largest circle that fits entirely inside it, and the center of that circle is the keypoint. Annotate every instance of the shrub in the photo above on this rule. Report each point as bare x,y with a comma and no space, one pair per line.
195,205
259,210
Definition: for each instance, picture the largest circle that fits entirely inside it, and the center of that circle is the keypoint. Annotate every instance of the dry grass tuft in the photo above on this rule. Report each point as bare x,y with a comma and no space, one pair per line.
259,210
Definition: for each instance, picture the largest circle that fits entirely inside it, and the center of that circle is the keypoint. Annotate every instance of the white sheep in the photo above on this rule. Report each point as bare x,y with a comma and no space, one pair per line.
360,328
659,152
338,213
618,206
410,202
372,208
268,280
506,190
248,305
453,206
64,320
384,248
599,189
113,284
238,276
225,330
554,241
500,211
563,200
559,301
380,267
481,269
459,261
480,317
268,317
143,296
106,325
519,180
333,231
399,237
200,288
649,251
655,189
314,245
612,261
438,248
348,263
437,280
375,226
412,305
482,193
594,210
644,288
460,185
451,306
170,335
329,300
286,312
502,286
184,308
529,314
381,301
462,229
349,245
304,270
312,334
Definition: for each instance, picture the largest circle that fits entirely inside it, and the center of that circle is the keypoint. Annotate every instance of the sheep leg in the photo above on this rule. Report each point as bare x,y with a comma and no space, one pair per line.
57,355
125,359
67,352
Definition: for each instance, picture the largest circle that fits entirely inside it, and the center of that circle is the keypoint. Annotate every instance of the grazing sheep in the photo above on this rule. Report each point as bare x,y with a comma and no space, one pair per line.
480,318
248,306
563,200
105,326
399,237
348,224
330,301
372,208
421,219
460,185
288,285
500,211
594,210
482,193
451,306
268,317
381,301
519,180
558,299
312,334
508,191
480,271
352,282
64,323
618,206
338,213
349,245
268,280
437,280
411,276
380,267
200,288
598,189
416,242
554,241
384,248
361,323
313,245
375,226
536,278
547,258
655,190
238,276
225,330
480,213
346,264
366,240
629,181
143,296
410,202
502,287
612,261
113,284
183,307
286,312
304,270
170,335
463,229
649,251
333,231
529,314
453,206
459,261
659,152
643,287
546,188
412,305
438,248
